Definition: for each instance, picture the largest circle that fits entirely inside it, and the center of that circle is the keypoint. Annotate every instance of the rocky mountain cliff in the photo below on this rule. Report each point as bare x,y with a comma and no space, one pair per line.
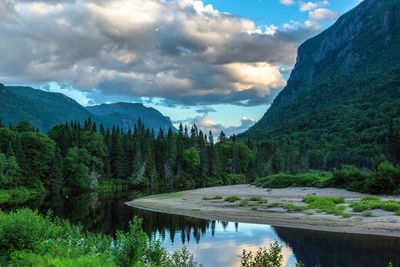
345,87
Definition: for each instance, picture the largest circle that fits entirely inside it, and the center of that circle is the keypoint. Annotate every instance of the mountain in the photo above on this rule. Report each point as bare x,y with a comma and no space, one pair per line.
45,109
344,89
42,109
128,114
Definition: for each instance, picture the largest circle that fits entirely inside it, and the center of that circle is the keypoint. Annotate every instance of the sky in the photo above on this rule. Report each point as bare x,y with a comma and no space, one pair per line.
216,63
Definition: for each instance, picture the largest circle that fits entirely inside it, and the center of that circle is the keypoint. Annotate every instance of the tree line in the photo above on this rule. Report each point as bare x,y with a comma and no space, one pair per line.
75,155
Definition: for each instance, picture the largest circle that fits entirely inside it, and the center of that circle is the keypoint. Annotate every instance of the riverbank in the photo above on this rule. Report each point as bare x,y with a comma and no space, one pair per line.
19,195
277,207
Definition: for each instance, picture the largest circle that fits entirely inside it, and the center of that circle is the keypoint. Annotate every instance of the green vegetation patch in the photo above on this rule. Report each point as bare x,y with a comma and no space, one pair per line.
167,195
213,198
295,208
327,204
232,199
374,203
282,180
30,239
19,195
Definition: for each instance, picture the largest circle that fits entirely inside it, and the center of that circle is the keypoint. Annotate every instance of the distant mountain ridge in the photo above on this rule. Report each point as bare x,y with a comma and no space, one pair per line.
129,113
344,89
46,109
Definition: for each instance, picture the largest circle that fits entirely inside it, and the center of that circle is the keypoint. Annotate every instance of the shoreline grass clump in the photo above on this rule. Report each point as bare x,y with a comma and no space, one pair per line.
232,199
294,208
329,205
374,203
213,198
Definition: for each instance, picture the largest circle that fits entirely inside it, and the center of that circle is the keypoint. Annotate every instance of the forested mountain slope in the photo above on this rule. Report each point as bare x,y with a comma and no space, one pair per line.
343,91
129,113
45,109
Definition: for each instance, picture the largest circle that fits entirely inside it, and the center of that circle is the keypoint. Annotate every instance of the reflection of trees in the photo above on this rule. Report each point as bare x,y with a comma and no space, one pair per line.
161,223
108,213
336,249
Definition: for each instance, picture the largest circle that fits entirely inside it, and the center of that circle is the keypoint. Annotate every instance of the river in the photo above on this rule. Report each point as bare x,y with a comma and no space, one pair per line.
216,243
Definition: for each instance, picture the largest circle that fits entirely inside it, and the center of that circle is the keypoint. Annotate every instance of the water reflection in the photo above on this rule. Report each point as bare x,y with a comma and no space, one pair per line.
220,243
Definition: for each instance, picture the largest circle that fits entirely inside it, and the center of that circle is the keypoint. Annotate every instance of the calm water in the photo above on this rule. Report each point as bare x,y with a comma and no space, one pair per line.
220,243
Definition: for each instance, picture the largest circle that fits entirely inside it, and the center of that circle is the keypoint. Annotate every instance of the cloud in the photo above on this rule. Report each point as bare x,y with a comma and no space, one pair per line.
287,2
205,124
183,51
307,6
205,110
323,14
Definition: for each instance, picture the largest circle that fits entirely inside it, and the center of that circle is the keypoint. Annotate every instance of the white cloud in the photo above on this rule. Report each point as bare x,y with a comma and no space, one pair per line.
205,124
323,14
307,6
182,50
287,2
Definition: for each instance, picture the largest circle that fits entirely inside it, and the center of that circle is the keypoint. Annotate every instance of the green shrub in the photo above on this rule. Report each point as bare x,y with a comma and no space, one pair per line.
312,198
384,180
244,202
359,207
212,198
29,239
266,257
327,204
311,179
256,199
232,179
349,177
293,207
232,199
367,213
390,205
372,203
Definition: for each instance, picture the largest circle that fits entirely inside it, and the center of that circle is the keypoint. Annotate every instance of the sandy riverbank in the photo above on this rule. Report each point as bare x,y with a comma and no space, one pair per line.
192,203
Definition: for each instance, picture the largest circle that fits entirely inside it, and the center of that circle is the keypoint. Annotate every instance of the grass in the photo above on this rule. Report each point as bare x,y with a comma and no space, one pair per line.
256,199
295,208
232,199
367,213
213,198
167,195
273,205
374,203
244,203
328,205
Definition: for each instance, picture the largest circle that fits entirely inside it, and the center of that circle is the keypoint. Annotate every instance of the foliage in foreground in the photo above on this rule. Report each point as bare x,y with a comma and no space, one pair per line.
264,257
29,239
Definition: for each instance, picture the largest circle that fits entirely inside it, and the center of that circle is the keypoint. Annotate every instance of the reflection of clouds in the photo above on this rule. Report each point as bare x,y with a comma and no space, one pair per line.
225,247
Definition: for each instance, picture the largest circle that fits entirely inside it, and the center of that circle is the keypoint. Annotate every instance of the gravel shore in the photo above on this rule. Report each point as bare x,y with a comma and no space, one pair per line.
192,203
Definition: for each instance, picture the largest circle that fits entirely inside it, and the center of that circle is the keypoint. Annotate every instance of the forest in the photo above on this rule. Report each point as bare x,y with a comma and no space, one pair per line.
86,156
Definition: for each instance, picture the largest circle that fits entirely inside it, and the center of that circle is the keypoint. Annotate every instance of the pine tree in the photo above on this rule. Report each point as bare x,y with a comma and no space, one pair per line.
222,137
212,164
393,144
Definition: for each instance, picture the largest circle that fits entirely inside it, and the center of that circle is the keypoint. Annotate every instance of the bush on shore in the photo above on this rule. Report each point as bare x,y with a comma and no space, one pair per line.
30,239
385,179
